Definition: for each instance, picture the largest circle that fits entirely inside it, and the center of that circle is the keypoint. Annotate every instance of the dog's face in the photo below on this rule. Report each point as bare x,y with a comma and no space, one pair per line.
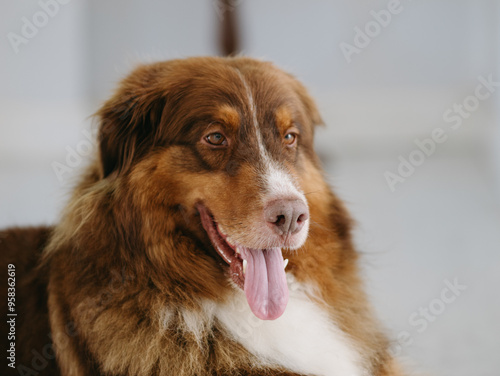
220,148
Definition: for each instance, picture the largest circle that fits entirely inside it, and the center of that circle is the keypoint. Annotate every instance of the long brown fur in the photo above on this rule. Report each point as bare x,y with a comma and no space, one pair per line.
130,243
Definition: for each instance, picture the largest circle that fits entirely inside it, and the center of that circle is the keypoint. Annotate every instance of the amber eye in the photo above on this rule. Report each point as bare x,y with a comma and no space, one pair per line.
216,139
290,139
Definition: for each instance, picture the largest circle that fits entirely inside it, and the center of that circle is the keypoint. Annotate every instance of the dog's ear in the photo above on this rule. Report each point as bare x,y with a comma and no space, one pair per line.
309,104
129,122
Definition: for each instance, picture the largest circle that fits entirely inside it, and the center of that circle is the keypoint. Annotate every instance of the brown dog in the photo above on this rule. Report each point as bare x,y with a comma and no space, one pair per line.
202,241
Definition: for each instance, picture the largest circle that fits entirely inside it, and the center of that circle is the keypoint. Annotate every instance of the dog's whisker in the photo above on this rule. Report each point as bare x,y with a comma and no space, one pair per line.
318,191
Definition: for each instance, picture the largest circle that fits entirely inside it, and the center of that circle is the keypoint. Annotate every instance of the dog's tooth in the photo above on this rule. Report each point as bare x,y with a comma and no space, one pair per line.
285,263
244,266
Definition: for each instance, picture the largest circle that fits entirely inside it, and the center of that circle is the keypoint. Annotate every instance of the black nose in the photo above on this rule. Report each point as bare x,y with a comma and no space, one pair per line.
286,216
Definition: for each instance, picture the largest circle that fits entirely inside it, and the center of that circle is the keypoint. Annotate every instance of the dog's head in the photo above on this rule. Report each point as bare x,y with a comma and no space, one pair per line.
218,149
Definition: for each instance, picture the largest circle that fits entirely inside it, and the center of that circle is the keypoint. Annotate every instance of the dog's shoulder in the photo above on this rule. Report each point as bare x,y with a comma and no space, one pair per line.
21,250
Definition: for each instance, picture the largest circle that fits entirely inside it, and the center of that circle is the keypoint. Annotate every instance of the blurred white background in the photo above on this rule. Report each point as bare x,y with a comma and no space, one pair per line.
439,226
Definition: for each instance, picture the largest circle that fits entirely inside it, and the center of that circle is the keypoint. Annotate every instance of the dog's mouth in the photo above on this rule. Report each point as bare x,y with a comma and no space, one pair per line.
259,272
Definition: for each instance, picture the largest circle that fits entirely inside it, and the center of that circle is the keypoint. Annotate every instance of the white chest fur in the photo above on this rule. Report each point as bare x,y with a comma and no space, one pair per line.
303,340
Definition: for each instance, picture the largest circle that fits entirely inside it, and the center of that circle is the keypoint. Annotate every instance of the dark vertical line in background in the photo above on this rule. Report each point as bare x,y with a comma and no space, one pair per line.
229,32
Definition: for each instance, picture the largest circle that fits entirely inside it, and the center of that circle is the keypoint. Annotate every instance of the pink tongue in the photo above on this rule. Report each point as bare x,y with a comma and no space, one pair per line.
265,282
